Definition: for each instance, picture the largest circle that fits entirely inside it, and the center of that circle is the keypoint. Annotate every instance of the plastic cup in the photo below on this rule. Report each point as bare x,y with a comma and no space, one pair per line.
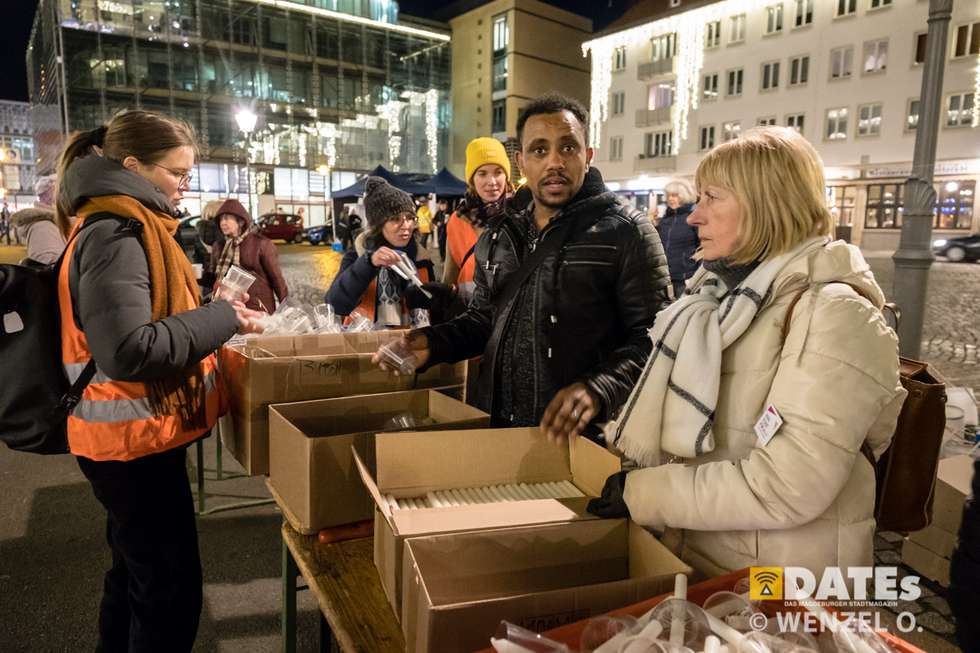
398,356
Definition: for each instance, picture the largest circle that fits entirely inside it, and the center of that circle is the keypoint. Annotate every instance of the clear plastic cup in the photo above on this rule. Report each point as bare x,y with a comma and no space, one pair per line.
395,354
235,284
358,322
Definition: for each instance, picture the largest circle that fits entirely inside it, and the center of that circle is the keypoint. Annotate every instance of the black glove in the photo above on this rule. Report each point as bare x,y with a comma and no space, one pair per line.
610,505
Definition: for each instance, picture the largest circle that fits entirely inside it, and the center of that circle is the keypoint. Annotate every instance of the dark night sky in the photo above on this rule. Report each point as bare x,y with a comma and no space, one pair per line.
18,19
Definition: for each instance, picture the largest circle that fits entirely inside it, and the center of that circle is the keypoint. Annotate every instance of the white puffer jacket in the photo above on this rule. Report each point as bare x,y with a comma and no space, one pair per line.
807,497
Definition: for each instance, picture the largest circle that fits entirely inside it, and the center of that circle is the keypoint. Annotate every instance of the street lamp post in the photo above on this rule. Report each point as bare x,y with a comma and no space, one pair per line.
914,255
246,120
324,171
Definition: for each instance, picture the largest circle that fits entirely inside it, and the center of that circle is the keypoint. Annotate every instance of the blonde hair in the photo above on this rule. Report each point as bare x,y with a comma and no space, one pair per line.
683,188
210,210
778,179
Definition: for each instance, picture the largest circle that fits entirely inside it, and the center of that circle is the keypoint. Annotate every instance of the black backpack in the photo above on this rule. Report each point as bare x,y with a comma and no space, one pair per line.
36,397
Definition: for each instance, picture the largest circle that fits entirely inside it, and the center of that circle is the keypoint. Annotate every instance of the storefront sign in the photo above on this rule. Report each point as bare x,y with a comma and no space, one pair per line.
962,167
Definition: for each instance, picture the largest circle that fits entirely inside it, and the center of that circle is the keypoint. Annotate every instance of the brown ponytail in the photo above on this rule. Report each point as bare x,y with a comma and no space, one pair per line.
144,135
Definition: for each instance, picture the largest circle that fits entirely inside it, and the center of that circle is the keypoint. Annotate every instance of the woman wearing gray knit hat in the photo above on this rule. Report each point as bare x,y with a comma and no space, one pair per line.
366,282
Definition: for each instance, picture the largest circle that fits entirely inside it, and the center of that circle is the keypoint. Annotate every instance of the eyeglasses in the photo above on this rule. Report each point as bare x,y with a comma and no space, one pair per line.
404,218
183,178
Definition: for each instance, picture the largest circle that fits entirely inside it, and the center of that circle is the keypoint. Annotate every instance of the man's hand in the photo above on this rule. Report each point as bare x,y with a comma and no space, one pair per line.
569,412
414,340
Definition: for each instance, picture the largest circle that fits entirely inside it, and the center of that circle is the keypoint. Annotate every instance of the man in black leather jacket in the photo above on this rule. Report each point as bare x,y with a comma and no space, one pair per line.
571,342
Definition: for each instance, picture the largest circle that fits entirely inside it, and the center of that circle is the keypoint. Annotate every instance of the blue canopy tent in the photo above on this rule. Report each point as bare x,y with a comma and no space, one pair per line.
446,184
357,188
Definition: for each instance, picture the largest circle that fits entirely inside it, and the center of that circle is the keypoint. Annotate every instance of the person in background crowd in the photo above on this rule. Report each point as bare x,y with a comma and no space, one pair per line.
366,283
36,226
679,238
439,226
424,215
565,290
488,188
240,245
129,301
301,212
770,382
5,223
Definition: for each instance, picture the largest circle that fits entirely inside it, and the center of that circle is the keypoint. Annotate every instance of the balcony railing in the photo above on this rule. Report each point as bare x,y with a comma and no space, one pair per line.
654,68
646,163
650,117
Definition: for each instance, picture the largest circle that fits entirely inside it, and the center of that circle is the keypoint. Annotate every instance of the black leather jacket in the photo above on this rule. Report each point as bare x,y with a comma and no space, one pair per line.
597,298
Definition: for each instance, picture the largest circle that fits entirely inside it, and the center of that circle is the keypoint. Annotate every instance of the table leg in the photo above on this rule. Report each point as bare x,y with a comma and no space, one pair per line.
217,443
289,575
200,476
326,636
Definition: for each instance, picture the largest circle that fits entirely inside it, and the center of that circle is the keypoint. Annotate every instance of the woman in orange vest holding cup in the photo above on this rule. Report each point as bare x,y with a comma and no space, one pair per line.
488,188
129,303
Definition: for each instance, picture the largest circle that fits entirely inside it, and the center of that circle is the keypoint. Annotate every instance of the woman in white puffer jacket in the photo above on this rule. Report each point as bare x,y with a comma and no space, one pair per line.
729,488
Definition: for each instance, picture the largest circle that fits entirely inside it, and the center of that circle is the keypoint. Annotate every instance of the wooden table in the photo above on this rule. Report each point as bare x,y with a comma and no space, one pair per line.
354,611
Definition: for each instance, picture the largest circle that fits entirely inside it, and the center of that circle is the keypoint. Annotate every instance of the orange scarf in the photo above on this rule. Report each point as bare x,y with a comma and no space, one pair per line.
173,290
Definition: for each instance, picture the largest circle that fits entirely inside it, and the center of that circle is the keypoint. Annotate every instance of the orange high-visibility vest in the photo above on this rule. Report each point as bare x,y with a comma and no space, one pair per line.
114,419
460,237
369,300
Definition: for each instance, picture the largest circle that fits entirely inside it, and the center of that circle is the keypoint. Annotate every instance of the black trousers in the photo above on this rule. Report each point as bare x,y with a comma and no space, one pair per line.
152,595
964,574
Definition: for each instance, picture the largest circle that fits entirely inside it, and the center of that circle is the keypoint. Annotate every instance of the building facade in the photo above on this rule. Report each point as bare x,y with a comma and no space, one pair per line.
17,154
505,53
845,73
339,86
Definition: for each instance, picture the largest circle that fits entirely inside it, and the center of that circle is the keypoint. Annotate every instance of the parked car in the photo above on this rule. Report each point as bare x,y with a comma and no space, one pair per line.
961,248
319,235
282,226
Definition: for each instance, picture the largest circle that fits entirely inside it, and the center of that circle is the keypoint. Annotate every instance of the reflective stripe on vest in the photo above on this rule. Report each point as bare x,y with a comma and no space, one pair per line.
123,410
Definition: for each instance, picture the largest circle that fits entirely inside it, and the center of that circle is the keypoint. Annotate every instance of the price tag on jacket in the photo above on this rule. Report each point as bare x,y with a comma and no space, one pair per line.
767,425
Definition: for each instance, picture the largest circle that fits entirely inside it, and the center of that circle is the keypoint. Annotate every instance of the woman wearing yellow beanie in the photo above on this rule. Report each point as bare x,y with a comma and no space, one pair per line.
488,188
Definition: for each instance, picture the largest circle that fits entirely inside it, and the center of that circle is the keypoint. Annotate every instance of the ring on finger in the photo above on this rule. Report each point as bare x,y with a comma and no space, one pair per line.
575,414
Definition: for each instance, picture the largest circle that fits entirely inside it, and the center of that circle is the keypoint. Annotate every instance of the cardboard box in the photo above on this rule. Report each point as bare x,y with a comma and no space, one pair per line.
936,540
925,562
280,369
411,464
311,463
953,484
458,587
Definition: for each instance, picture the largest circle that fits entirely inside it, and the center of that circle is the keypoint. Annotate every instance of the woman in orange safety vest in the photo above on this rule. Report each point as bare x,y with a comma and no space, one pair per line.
129,302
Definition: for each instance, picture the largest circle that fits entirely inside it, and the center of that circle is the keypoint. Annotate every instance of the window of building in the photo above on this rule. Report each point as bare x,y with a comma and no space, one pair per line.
845,8
869,120
954,201
619,58
770,75
795,120
730,131
707,140
658,144
799,70
737,34
660,96
500,74
885,205
841,201
836,124
875,55
967,40
710,90
804,13
499,116
734,88
774,18
712,34
878,4
841,62
618,103
912,115
766,121
501,33
959,110
663,47
616,148
920,49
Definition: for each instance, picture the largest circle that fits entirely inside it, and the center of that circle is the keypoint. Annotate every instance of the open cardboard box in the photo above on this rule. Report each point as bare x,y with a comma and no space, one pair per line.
312,466
279,369
459,586
411,464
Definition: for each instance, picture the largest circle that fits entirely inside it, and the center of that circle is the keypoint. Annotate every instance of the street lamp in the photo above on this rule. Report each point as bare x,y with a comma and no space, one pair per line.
246,120
324,171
